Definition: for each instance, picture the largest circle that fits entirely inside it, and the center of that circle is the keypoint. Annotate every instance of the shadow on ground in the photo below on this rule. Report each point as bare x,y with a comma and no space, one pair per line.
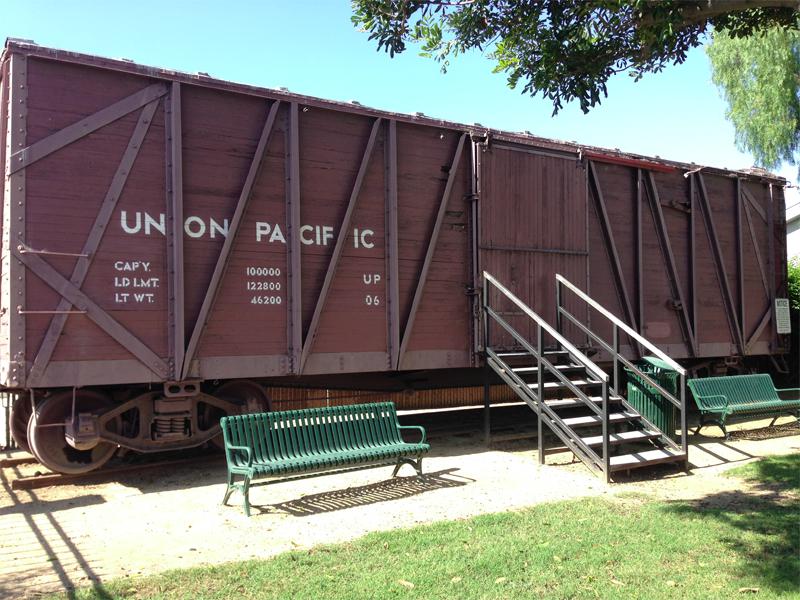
26,504
382,491
767,519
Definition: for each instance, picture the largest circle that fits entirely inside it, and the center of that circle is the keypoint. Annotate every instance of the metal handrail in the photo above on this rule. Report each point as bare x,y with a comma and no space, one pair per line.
540,359
577,445
617,355
627,329
580,356
608,348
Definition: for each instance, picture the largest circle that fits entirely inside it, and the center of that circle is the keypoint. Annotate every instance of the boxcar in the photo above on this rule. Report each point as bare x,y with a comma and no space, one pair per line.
173,243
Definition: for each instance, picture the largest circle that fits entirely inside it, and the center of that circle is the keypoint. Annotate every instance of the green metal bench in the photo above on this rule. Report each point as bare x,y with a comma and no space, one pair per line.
314,441
719,397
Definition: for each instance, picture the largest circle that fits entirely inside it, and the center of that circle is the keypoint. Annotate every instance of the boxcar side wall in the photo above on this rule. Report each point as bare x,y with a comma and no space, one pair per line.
699,264
177,231
157,230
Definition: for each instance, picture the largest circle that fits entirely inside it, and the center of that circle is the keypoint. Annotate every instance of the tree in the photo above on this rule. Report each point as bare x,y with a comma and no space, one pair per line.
759,76
565,49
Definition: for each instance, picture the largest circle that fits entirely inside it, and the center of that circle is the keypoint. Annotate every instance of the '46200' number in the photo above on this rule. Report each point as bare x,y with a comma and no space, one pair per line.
265,300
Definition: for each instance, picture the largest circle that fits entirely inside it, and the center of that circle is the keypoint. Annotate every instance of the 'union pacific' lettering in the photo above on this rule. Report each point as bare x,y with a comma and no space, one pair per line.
143,223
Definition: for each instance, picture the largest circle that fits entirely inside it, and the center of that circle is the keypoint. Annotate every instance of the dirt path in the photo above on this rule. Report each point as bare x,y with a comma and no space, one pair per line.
60,537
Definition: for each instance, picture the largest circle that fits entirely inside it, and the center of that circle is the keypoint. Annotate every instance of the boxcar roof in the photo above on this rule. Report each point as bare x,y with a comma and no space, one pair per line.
30,48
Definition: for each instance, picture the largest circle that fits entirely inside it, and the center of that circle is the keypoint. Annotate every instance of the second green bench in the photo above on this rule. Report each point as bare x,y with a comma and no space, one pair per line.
718,398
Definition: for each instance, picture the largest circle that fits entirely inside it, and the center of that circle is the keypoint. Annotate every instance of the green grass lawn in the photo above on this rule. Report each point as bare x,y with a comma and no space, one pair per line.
725,546
780,471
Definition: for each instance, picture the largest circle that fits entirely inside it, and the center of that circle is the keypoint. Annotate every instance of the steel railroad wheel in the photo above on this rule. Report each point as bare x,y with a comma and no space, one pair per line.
20,415
46,433
248,394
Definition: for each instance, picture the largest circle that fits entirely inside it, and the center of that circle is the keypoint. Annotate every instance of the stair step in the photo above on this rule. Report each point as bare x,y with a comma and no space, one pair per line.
625,437
555,385
561,368
643,459
597,419
577,403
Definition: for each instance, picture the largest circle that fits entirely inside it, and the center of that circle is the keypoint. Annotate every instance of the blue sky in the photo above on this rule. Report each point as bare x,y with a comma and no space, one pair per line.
311,47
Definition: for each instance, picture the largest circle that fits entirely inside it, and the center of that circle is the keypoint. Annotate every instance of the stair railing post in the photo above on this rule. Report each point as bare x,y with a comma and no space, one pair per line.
485,314
487,423
684,422
606,450
616,360
558,307
539,393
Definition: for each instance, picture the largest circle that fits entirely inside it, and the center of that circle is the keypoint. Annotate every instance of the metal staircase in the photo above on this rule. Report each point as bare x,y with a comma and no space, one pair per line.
580,403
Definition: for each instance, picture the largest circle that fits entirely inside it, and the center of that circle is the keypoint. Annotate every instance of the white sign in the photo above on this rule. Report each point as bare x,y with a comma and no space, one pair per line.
782,320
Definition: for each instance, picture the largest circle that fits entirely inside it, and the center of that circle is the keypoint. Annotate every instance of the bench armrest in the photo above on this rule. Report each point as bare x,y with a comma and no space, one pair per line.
244,449
788,390
713,403
418,427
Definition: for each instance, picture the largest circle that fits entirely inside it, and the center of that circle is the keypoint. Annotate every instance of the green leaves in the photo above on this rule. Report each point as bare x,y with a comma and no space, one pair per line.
759,77
564,50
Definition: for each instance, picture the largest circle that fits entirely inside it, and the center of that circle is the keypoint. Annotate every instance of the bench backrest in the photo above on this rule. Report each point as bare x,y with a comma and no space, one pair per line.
739,389
291,434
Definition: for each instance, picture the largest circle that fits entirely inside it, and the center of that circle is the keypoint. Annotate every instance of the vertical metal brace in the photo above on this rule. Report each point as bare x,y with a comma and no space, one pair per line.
175,266
12,321
772,267
740,259
392,259
640,284
693,261
294,306
474,253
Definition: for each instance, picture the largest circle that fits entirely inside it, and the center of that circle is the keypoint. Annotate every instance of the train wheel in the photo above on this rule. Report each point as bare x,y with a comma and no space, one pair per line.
247,394
20,415
46,434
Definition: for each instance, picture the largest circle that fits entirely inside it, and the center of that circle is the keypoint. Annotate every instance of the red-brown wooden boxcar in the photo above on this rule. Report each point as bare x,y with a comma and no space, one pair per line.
171,243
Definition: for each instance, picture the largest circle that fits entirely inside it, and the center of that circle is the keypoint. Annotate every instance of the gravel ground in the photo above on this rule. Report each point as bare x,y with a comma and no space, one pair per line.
67,536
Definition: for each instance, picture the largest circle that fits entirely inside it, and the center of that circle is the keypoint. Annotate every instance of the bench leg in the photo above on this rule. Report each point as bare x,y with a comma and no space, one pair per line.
773,420
417,464
703,423
246,494
724,431
229,490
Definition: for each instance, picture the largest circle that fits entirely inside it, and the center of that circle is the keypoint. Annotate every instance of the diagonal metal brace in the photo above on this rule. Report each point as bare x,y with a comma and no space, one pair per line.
106,322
